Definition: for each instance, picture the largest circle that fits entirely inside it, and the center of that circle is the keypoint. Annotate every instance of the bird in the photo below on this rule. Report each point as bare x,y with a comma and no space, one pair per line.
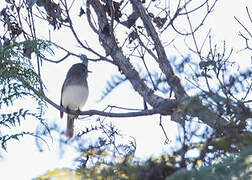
74,93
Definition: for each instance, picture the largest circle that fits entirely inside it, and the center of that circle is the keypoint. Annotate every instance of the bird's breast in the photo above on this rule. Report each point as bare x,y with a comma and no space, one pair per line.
74,97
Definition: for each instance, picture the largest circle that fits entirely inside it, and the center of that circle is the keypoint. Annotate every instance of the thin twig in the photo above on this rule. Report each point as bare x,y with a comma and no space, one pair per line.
123,108
249,14
55,61
145,65
167,140
208,34
147,49
247,93
193,35
76,36
243,26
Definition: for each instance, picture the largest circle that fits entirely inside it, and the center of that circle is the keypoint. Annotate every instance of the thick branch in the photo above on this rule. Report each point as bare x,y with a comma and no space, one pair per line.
192,106
159,104
163,62
110,45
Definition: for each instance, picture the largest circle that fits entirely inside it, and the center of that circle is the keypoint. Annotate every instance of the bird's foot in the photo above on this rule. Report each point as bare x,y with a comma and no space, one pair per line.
67,109
78,112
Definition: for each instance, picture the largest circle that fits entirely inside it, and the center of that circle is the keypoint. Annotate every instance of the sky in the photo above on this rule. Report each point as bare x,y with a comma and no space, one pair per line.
23,161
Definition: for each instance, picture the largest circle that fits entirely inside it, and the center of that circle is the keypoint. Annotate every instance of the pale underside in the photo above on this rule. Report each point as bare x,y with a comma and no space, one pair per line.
74,97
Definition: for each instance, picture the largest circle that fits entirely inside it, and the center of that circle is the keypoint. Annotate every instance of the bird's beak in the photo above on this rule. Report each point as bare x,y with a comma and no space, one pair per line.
89,71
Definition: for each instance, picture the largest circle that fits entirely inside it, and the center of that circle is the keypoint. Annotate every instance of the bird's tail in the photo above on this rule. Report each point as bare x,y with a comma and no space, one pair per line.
70,126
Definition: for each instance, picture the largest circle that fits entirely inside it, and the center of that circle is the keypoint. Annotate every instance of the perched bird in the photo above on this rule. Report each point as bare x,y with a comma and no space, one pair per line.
74,93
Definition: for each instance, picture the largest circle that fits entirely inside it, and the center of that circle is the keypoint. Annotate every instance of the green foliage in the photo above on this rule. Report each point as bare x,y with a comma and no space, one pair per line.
18,79
11,119
124,167
60,174
17,75
5,138
232,167
165,167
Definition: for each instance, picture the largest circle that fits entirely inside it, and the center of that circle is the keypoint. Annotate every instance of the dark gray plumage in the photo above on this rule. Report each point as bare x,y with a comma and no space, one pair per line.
74,93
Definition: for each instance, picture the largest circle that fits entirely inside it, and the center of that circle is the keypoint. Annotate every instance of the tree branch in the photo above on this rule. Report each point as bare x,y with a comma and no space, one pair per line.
110,45
77,37
159,104
170,104
163,62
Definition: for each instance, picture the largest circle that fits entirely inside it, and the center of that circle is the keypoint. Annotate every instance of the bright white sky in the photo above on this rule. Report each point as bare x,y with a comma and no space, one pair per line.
23,161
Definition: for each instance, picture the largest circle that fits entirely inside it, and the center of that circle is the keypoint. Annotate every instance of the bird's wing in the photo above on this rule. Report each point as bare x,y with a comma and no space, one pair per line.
67,81
61,113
